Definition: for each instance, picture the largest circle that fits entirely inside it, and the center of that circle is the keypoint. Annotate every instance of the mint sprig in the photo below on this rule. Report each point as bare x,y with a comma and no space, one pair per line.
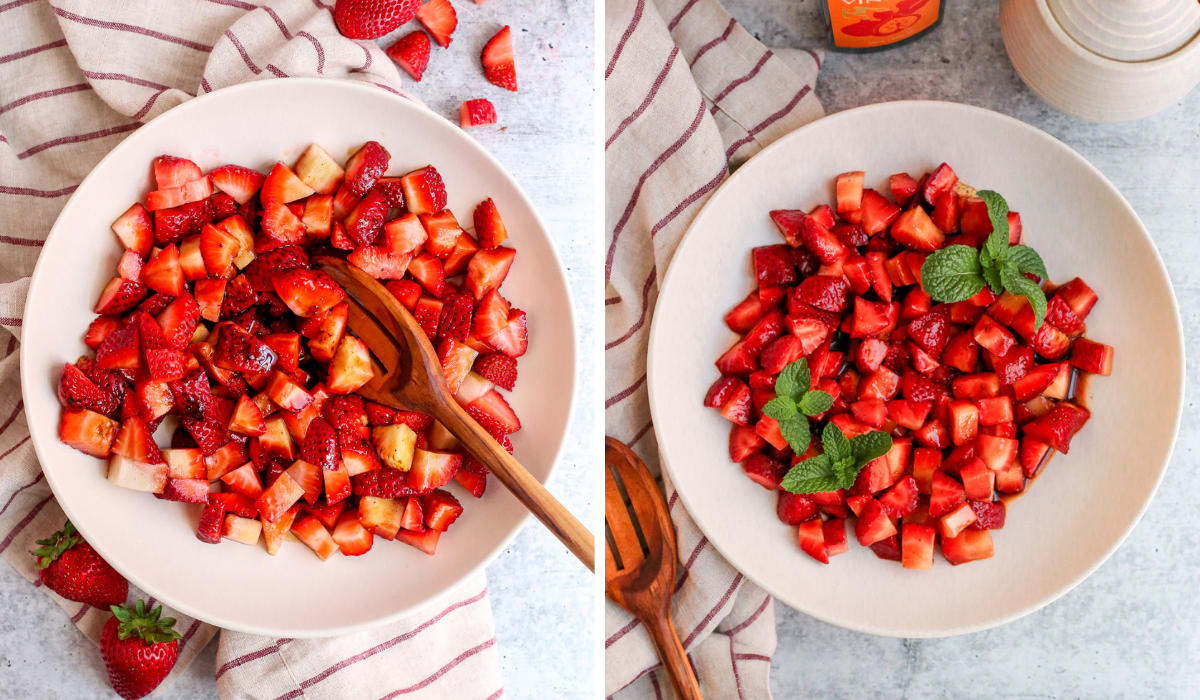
795,401
839,466
959,272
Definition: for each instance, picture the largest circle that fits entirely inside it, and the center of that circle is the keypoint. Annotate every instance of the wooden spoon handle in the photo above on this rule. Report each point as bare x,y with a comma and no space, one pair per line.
674,658
528,490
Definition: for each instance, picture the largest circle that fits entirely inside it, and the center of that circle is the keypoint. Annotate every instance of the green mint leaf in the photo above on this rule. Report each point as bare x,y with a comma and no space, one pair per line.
781,408
797,433
998,213
794,380
813,475
815,403
952,274
837,447
1027,260
870,446
846,471
1021,285
992,275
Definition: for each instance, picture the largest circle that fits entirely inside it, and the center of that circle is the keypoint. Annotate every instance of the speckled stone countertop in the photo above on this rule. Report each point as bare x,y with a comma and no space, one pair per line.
542,598
1132,630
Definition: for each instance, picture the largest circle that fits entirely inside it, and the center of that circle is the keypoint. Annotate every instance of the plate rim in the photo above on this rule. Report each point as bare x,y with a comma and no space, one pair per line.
415,107
972,111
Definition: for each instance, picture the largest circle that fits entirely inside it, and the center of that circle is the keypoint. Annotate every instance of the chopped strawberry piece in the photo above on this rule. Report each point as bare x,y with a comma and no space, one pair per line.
498,65
440,21
477,112
411,52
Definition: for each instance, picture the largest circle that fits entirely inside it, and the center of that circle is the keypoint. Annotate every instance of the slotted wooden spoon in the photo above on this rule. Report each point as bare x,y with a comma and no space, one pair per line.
408,376
640,575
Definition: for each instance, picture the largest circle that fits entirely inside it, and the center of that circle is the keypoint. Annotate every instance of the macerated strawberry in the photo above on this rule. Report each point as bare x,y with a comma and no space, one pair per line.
171,225
365,167
1093,357
498,368
172,197
238,182
88,431
308,292
460,258
261,272
497,57
371,19
135,230
238,350
440,20
120,295
487,270
365,221
350,367
477,112
411,52
424,192
379,263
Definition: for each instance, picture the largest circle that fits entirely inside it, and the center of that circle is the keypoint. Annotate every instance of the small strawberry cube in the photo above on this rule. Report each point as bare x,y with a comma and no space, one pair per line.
477,112
381,515
274,533
850,190
487,270
425,541
395,445
185,463
239,529
873,524
312,533
351,537
1093,357
916,542
278,497
350,367
431,469
969,545
319,171
957,520
811,534
139,476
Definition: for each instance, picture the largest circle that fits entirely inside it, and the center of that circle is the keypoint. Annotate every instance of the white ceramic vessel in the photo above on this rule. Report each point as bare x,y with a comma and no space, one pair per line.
152,542
1105,60
1085,503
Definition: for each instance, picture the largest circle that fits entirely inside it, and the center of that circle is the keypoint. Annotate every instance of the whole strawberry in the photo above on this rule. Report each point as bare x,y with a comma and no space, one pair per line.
371,19
138,648
71,568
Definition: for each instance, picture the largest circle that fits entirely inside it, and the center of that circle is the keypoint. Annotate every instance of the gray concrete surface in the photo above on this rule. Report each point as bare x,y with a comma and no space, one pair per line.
542,598
1132,630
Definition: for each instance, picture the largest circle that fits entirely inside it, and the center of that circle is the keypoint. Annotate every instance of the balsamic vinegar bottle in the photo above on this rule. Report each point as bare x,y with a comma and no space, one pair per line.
858,26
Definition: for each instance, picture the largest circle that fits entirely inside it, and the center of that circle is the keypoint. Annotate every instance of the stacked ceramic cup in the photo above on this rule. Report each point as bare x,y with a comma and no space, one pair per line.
1105,60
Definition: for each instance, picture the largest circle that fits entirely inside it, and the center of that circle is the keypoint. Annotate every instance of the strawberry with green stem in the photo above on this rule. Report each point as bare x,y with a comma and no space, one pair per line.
959,272
70,567
139,648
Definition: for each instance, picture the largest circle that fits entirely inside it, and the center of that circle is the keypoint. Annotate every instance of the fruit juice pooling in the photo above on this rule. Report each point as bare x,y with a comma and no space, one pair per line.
858,26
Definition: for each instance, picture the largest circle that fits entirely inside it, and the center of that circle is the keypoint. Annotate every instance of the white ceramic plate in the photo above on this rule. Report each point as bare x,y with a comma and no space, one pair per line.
1084,504
152,542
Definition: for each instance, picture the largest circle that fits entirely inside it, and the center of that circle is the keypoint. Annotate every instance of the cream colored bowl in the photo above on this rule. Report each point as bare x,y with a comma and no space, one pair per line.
153,542
1085,503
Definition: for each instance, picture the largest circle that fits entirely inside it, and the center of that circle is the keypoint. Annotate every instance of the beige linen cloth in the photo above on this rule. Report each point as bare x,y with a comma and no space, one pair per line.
689,94
75,78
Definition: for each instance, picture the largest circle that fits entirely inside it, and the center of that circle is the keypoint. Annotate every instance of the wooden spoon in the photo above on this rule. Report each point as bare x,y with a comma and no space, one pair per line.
640,575
408,376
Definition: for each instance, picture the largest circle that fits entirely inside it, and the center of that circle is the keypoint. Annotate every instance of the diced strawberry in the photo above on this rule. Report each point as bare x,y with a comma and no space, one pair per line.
172,197
931,331
811,534
379,263
834,531
765,471
364,169
135,230
427,269
942,179
404,235
916,230
351,537
1014,365
326,336
456,359
428,312
969,545
946,494
424,192
477,112
993,337
903,187
901,499
312,533
238,350
513,339
440,21
408,293
350,367
1057,427
432,469
1093,357
88,431
460,258
425,541
1079,296
850,190
945,213
497,57
211,520
873,524
877,212
441,510
917,546
487,270
308,292
281,224
283,186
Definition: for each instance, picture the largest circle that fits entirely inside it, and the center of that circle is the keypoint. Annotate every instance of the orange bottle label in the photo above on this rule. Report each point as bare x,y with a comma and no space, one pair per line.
860,24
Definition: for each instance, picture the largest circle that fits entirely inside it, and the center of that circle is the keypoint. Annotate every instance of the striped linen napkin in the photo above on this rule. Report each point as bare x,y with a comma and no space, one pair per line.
689,94
75,77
